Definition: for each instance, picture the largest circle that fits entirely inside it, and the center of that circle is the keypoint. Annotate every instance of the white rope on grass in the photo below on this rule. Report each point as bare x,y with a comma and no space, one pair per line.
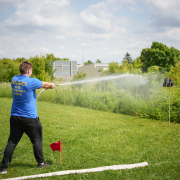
98,169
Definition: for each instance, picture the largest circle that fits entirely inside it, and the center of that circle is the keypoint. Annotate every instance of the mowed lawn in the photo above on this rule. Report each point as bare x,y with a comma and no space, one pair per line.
92,138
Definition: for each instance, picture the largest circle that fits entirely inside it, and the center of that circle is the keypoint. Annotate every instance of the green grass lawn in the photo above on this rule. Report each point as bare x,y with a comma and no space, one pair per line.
92,138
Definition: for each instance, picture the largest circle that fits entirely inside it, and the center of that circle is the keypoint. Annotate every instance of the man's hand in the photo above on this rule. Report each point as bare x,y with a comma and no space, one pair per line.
47,85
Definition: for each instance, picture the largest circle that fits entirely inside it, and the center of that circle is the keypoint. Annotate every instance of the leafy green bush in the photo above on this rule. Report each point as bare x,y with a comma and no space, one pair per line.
42,67
8,69
79,75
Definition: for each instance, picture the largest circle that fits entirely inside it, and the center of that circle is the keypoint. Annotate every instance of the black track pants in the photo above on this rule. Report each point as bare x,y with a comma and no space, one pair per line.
33,129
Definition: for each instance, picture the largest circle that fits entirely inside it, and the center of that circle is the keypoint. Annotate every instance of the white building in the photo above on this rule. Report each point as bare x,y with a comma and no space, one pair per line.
93,70
65,69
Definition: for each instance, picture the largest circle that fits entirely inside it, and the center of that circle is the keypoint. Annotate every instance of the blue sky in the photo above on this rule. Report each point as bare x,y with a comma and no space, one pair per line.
111,28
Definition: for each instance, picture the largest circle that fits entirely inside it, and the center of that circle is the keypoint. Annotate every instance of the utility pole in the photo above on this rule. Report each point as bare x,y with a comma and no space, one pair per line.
83,54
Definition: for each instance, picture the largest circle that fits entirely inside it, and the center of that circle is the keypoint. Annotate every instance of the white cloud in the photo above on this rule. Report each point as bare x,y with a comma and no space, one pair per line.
164,5
110,27
11,2
2,53
100,22
174,34
60,37
61,47
45,14
96,18
164,12
95,22
100,36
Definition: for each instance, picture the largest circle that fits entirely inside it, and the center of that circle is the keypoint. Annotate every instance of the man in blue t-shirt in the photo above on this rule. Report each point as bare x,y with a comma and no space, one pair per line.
24,117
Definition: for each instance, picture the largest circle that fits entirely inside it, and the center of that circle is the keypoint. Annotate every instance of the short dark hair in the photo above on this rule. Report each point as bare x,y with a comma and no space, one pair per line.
25,66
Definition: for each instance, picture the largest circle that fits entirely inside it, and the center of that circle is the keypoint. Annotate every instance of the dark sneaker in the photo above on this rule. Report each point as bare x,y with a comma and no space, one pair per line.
44,164
3,171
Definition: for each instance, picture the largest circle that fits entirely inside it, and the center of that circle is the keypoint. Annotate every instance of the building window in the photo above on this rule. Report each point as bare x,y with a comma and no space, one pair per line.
65,69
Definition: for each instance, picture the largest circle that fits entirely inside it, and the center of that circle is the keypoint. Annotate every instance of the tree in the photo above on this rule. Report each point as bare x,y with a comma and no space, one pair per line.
125,67
8,69
128,58
39,68
50,58
174,73
20,59
63,59
98,61
153,69
159,55
88,62
113,67
42,67
80,75
134,67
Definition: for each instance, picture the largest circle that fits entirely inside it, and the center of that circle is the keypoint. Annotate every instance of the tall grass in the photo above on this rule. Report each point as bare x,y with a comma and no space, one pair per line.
127,96
5,90
144,97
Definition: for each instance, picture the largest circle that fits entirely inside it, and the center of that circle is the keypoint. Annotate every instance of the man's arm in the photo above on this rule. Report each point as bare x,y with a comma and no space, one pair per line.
47,85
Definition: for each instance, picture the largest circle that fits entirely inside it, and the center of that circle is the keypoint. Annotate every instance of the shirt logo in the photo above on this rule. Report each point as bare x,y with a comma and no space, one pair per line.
17,88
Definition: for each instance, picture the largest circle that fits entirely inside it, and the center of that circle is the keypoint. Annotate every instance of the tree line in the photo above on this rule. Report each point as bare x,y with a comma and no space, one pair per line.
42,67
157,59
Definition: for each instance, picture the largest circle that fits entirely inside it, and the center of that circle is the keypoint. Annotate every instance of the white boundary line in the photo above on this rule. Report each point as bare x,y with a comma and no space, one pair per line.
98,169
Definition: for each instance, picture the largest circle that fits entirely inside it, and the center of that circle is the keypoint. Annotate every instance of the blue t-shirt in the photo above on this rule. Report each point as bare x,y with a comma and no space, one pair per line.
24,96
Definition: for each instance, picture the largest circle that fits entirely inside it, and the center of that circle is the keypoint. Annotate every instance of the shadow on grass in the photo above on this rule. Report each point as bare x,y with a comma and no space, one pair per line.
28,165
